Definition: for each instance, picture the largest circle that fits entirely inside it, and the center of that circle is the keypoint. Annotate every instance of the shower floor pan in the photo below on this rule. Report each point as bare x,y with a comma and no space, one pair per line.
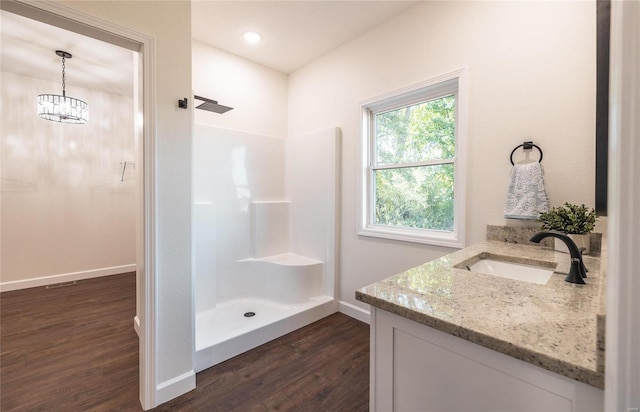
225,331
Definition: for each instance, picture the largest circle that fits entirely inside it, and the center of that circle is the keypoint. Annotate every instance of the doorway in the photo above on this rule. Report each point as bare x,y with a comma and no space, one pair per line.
143,48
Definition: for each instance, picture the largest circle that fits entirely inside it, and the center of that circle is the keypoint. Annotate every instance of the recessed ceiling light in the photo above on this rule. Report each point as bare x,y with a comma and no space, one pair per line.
252,37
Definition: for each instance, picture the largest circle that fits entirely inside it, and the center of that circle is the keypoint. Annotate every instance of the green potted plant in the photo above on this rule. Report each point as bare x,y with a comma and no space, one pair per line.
577,221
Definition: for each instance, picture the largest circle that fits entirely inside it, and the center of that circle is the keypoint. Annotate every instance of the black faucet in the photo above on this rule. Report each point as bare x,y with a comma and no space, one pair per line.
578,270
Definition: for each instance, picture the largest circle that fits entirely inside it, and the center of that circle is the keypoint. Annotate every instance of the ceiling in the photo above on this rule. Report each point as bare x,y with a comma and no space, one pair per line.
28,48
294,34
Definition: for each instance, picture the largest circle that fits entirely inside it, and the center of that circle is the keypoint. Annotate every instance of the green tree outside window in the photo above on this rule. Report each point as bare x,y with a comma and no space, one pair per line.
413,171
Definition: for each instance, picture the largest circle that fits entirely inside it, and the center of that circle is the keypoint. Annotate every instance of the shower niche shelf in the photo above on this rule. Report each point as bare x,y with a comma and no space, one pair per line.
286,259
270,235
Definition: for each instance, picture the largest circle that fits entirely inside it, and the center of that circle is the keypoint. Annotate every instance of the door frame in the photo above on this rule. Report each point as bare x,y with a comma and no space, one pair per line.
84,24
622,358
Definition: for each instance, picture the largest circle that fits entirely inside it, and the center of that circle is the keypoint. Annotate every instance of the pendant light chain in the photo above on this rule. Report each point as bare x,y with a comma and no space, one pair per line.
63,81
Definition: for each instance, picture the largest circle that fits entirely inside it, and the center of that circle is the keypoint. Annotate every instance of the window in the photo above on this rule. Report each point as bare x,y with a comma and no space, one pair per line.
412,180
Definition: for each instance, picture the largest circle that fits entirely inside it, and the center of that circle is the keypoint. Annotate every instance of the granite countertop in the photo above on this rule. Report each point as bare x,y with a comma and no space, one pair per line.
558,326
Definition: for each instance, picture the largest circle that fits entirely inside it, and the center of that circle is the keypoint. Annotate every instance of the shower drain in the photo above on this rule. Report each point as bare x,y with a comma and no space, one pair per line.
249,314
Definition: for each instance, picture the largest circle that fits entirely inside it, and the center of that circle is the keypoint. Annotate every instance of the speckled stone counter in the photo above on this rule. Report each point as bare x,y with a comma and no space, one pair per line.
554,326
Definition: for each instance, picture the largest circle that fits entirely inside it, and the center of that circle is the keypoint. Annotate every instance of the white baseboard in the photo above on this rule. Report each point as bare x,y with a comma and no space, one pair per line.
175,387
354,311
65,277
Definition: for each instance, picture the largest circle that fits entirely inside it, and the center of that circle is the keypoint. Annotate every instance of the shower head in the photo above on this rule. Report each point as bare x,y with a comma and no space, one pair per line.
212,105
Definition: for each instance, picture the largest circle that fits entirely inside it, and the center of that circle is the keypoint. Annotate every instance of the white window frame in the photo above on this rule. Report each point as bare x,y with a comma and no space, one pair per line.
430,89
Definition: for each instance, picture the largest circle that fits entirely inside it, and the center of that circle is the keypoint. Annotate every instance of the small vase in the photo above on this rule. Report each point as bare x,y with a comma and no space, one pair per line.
582,241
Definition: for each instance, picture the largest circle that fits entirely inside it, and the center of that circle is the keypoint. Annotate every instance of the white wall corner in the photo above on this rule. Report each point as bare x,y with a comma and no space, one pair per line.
354,311
175,387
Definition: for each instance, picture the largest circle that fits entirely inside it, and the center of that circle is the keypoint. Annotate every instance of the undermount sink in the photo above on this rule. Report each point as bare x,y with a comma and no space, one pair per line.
511,270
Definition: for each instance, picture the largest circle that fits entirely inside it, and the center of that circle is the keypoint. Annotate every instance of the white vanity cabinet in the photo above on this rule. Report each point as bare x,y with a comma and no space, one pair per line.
418,368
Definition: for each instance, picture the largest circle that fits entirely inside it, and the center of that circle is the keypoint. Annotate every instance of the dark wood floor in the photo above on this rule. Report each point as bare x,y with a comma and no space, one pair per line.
71,348
322,367
74,349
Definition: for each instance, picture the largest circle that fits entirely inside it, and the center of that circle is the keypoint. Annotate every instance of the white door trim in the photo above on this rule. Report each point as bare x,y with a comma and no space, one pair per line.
72,20
622,370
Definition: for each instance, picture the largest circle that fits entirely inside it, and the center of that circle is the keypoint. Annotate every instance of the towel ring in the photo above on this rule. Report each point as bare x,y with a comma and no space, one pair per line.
526,146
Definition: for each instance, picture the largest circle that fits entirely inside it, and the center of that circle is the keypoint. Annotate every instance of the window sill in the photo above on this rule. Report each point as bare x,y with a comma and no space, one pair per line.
447,239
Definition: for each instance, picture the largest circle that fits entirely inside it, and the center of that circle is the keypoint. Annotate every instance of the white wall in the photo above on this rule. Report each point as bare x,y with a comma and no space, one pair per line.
169,22
257,94
531,71
65,209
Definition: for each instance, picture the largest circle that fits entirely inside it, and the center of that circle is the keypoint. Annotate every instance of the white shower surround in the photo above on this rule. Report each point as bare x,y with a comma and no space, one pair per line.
265,225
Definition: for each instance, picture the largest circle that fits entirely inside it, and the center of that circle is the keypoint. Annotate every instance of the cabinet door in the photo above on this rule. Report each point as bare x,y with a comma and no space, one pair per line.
417,368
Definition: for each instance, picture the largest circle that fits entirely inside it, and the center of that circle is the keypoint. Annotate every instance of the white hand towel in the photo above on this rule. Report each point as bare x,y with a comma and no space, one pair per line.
527,194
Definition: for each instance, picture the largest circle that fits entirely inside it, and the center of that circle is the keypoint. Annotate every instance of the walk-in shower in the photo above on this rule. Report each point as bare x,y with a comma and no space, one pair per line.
265,250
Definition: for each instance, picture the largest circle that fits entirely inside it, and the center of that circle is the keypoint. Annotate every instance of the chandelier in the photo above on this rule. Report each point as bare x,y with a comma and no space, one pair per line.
62,108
